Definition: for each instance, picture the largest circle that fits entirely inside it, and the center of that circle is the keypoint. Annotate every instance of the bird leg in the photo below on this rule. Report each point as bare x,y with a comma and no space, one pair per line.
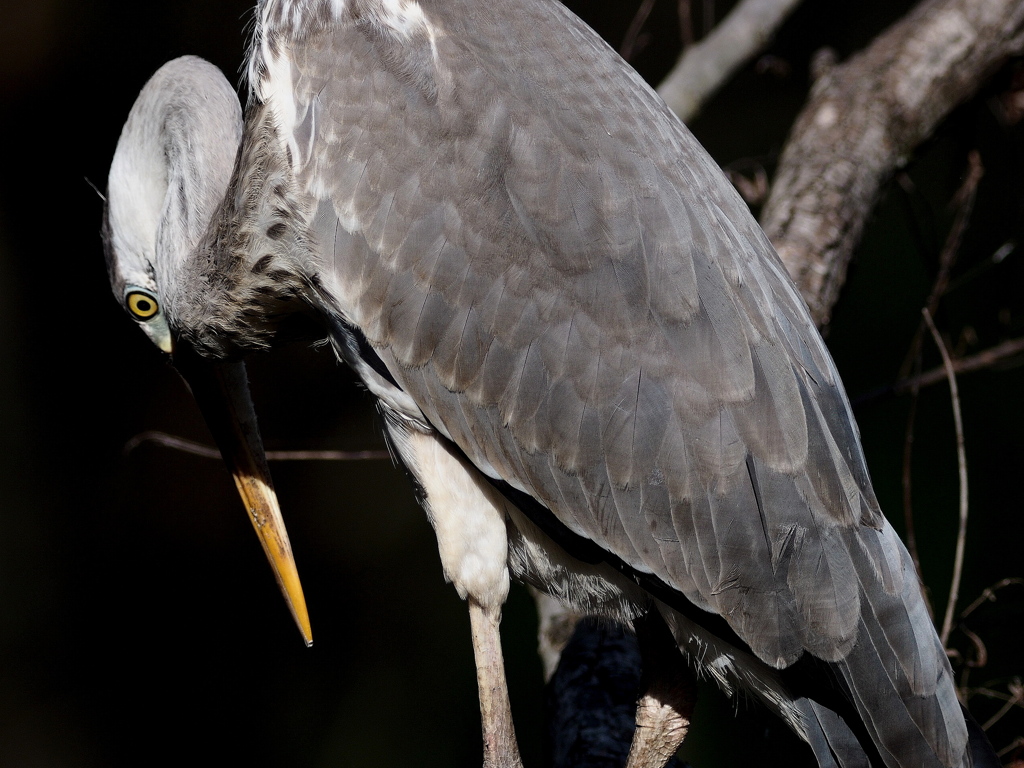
664,710
500,748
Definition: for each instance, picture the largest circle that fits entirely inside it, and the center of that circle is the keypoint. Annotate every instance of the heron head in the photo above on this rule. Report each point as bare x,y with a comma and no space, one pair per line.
171,169
170,172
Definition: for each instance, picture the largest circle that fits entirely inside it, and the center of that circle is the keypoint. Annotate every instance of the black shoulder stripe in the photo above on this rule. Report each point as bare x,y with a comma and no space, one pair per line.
360,347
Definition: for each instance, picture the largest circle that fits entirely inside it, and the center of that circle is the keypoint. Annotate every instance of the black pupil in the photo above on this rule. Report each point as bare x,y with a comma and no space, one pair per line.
143,306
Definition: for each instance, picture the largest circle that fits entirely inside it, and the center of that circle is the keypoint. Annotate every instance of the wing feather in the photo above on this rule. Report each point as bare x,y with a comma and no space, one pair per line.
628,338
571,292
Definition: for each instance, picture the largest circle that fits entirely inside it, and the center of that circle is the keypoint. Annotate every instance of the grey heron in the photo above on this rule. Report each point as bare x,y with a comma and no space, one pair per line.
585,351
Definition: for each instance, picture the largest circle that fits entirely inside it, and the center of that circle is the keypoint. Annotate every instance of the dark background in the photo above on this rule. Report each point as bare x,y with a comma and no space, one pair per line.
139,623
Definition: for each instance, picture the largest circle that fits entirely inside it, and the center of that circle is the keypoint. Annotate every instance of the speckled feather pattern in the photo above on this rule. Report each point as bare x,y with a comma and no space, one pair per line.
258,272
565,284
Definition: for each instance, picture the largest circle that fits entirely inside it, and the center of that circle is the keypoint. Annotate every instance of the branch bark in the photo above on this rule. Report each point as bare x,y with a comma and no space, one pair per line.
704,67
864,118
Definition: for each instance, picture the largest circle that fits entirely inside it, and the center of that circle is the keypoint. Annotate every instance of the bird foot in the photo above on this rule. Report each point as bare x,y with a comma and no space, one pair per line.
661,727
664,711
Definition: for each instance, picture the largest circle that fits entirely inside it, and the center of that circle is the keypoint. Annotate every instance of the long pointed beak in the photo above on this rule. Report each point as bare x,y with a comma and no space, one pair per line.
222,391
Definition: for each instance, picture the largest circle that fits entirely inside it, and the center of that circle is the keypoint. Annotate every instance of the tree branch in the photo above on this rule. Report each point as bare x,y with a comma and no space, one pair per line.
705,66
864,118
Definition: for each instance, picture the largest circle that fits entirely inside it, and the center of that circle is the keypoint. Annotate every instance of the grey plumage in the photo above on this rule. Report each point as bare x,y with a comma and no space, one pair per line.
533,263
171,173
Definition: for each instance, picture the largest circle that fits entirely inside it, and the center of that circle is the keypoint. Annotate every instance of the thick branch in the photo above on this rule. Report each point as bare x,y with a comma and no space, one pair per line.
705,66
864,118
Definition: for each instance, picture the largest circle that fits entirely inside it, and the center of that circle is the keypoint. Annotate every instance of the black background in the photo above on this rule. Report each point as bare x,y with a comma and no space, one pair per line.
139,623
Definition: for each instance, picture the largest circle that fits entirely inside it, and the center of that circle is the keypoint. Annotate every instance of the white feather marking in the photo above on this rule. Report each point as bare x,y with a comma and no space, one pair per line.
404,18
468,516
276,90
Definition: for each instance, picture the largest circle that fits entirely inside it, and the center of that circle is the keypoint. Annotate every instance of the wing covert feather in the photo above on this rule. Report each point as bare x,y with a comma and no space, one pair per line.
632,342
574,295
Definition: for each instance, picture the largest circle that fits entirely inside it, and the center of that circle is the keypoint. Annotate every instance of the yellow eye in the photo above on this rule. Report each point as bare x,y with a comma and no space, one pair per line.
142,305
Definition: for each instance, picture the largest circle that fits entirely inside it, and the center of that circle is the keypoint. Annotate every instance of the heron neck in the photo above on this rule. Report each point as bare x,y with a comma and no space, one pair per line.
256,263
200,151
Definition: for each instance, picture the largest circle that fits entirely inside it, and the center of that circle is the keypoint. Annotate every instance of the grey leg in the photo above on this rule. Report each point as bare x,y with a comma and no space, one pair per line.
500,748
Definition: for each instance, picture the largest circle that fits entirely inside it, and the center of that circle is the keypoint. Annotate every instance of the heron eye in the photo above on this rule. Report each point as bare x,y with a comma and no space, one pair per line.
142,305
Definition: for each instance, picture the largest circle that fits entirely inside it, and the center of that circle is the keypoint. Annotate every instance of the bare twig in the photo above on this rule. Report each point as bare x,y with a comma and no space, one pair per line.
908,506
707,65
628,46
964,197
988,595
1018,742
961,459
980,659
980,649
1016,699
984,359
994,694
964,200
327,455
198,449
998,257
686,23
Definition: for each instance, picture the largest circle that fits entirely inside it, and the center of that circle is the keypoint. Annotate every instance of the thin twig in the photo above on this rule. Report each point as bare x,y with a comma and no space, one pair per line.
198,449
1015,700
980,649
1018,742
95,189
964,200
961,460
994,694
975,362
626,50
999,255
686,23
988,595
327,455
908,505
